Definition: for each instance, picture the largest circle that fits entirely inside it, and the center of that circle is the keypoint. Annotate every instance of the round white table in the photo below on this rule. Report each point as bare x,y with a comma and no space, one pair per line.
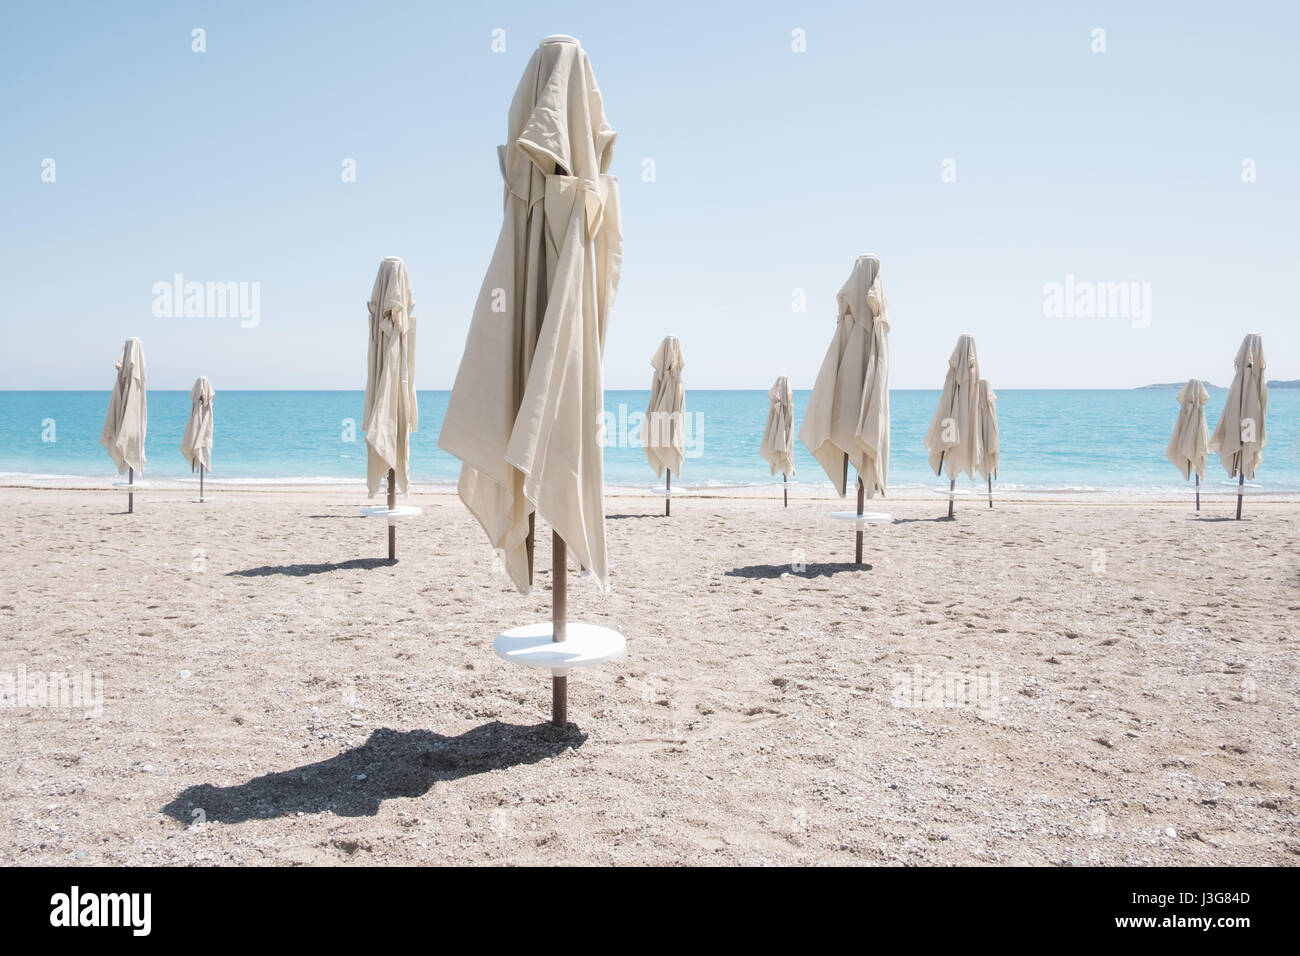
1233,487
392,514
864,519
585,645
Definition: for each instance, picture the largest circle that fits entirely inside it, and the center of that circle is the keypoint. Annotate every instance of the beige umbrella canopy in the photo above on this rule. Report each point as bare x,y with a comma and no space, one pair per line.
847,421
988,428
1239,435
525,412
662,431
954,436
390,413
1189,446
196,443
125,423
778,434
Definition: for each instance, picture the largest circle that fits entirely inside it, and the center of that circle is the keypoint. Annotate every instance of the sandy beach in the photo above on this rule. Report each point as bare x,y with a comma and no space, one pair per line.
1042,683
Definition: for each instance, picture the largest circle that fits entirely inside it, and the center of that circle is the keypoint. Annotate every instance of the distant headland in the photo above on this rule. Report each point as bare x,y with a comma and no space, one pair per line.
1273,383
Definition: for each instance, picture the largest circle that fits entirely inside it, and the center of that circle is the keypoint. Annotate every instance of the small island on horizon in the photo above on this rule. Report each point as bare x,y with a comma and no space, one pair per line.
1273,383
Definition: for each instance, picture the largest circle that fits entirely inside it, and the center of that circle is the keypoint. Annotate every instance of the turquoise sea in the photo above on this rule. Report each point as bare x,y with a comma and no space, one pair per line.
1052,440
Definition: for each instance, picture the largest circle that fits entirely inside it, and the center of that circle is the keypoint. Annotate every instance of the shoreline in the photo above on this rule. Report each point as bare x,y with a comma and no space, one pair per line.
799,491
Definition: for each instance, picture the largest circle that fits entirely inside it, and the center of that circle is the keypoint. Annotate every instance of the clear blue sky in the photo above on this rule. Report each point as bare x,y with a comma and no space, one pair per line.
774,169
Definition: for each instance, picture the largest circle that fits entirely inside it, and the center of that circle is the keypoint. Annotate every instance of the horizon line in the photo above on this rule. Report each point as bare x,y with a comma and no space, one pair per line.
627,388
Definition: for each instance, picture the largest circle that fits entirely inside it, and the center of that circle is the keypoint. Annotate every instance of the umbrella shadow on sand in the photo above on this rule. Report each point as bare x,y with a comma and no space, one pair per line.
392,764
302,570
809,571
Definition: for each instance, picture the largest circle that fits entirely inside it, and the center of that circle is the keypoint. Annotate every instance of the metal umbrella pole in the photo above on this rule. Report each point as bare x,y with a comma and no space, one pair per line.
392,505
861,500
845,483
559,617
861,496
952,484
532,534
1238,459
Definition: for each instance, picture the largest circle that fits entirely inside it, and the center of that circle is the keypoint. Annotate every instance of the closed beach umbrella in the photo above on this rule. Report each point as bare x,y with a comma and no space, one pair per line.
778,434
847,421
125,423
954,436
1189,447
988,418
526,406
1239,435
662,432
390,412
196,443
526,409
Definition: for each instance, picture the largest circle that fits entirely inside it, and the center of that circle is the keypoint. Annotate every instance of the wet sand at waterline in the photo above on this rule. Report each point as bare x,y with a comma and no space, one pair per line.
1089,683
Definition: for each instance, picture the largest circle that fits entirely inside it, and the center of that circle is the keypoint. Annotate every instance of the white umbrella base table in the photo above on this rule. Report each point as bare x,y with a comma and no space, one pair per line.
392,514
862,520
1209,491
585,645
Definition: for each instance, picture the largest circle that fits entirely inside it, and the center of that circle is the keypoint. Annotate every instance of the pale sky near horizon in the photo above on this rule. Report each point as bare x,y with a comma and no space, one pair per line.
773,170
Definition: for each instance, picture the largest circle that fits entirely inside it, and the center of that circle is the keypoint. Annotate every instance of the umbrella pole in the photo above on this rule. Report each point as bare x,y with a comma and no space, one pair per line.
668,490
861,494
990,478
785,488
952,484
532,531
1198,492
392,504
939,472
845,483
559,615
1241,488
130,495
200,483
